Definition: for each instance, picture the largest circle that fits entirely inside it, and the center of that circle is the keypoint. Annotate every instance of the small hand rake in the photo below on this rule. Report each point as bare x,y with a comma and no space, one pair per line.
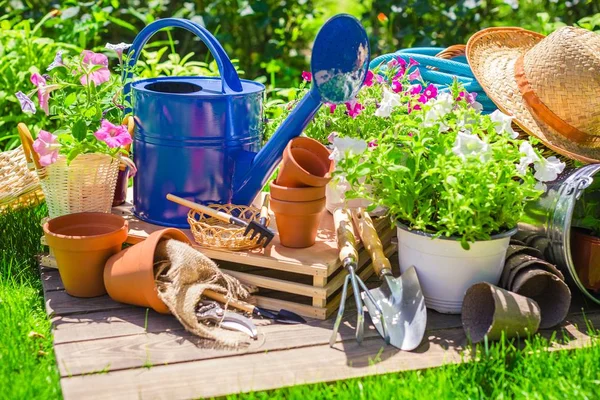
260,228
349,257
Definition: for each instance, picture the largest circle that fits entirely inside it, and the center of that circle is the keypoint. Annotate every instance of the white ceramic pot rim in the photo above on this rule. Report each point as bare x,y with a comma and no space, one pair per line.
497,236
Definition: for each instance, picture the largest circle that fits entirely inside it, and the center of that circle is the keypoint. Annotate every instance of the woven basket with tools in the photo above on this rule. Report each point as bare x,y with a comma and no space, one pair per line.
19,187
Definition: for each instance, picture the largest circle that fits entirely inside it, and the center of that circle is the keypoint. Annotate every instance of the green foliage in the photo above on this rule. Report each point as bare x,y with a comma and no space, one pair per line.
586,214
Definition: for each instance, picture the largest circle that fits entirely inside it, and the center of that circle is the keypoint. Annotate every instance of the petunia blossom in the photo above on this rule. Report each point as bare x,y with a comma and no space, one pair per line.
113,135
431,91
343,146
548,169
396,86
412,62
27,105
90,60
46,145
469,145
369,80
332,107
118,48
58,61
415,75
332,136
389,101
372,144
529,157
415,89
354,108
306,76
502,123
43,94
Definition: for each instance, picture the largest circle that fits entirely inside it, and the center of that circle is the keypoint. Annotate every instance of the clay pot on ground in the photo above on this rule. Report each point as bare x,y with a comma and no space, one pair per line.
585,251
305,163
296,194
129,275
297,222
81,244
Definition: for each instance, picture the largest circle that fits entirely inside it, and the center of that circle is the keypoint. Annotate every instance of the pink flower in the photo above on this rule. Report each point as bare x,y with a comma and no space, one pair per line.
332,136
379,78
471,97
113,135
58,61
307,76
401,62
430,91
412,62
46,145
392,63
354,108
396,86
369,78
416,107
415,75
372,144
423,99
461,96
332,107
27,106
89,61
415,89
43,94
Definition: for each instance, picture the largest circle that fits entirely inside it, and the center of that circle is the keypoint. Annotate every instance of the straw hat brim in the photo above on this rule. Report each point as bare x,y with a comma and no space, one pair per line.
492,54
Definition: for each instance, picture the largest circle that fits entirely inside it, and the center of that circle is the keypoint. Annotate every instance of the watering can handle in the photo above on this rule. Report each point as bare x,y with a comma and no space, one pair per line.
230,79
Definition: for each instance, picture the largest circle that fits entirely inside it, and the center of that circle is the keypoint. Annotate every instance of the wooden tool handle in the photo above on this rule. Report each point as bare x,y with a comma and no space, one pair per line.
27,142
371,241
130,122
264,210
346,239
206,210
221,298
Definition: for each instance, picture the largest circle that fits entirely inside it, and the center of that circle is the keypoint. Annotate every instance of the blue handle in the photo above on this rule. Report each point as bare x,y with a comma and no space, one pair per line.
229,76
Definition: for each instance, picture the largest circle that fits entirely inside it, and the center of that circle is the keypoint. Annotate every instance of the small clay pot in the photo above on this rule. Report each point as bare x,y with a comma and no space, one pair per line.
305,163
296,194
585,251
297,222
81,244
129,275
121,187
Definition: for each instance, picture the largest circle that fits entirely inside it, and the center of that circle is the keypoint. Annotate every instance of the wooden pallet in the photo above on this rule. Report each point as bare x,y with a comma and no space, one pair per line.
307,281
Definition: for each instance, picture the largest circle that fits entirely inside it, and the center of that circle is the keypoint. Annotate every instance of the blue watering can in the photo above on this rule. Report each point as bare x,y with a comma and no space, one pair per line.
200,137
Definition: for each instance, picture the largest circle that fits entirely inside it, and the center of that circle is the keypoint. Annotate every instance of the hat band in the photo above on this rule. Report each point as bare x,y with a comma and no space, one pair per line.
544,113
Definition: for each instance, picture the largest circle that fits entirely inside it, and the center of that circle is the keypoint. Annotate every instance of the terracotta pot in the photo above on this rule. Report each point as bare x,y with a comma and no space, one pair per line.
305,163
121,187
296,194
585,250
298,221
81,244
129,275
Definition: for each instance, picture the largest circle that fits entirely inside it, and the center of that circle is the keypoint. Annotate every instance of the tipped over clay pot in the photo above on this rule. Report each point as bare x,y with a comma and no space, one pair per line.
81,244
129,275
305,163
298,222
585,250
296,194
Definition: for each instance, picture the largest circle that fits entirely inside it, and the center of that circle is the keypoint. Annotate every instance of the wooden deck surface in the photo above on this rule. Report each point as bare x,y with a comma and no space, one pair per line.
108,350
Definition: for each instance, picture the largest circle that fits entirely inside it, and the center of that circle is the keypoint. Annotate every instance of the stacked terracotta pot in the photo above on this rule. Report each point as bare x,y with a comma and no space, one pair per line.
298,193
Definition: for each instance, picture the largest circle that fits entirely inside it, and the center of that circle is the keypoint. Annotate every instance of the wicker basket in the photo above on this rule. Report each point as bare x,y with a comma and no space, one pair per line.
19,187
86,184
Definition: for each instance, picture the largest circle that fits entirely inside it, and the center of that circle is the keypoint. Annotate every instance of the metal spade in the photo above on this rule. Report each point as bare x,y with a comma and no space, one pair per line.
339,64
400,299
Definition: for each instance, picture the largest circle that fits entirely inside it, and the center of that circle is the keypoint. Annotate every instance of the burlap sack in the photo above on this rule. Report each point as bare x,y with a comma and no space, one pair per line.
182,274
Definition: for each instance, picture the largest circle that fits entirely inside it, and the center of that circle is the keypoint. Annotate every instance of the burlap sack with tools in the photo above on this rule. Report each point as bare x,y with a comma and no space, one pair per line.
182,273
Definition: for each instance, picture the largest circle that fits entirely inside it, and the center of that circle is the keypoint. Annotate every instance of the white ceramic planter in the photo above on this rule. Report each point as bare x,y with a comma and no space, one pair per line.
446,270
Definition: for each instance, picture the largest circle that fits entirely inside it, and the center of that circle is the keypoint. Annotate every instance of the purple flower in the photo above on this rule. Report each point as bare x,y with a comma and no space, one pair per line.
113,135
43,94
46,145
423,99
415,89
118,48
332,136
369,78
471,97
372,144
401,62
354,108
415,75
431,91
412,62
58,61
307,76
396,86
332,107
89,61
27,106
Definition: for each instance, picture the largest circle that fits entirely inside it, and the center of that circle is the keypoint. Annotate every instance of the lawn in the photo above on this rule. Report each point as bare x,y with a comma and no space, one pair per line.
502,370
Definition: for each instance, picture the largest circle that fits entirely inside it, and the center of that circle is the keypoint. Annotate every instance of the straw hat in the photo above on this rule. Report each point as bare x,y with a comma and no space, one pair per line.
551,85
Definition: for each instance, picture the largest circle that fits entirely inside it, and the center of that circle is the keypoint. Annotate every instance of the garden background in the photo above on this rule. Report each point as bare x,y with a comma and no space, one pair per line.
270,39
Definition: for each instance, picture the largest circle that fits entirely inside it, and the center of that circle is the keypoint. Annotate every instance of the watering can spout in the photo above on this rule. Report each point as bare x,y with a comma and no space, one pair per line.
267,159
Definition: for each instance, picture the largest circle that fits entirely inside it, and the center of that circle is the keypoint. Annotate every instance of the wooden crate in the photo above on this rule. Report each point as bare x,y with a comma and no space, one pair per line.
307,281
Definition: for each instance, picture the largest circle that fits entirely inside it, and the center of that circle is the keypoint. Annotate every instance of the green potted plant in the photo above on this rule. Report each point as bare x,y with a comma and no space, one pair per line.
585,237
455,181
79,162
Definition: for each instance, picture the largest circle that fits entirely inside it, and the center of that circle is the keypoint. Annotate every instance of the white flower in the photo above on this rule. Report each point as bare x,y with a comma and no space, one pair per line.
384,111
477,106
440,106
467,145
530,156
540,186
548,169
119,48
502,123
388,102
342,146
471,4
513,3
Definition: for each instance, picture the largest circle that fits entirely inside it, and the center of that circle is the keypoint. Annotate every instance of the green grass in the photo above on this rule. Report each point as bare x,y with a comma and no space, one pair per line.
27,364
506,370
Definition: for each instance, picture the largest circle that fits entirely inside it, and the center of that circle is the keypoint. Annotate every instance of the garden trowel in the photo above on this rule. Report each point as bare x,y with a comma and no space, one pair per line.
400,299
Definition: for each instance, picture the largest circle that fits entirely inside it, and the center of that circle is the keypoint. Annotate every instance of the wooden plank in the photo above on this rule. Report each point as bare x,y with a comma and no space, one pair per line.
278,284
60,303
305,310
273,369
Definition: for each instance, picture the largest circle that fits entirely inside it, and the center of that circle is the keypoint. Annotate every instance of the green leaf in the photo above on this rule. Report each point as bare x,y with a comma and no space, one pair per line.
70,99
79,130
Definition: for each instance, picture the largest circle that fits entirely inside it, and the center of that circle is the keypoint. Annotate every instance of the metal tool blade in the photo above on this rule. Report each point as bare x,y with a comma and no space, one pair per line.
282,316
403,306
239,323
